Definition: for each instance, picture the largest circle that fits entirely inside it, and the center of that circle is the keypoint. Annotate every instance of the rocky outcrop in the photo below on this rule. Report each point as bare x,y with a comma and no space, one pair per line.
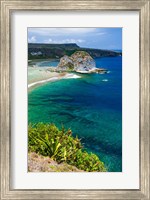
39,163
83,61
80,61
66,64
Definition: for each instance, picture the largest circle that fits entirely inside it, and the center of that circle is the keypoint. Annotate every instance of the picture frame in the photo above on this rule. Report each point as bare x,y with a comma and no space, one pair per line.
7,8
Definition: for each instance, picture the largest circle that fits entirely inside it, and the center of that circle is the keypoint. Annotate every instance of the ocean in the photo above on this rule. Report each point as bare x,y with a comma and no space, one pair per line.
90,105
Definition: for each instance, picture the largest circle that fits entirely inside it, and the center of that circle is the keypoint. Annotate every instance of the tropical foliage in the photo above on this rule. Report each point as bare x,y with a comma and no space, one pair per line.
61,146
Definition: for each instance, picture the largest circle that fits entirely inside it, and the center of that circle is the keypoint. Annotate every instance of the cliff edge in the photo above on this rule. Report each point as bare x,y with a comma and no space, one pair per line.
80,61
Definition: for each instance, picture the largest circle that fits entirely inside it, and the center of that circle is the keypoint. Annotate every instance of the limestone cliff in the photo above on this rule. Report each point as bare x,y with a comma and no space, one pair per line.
80,61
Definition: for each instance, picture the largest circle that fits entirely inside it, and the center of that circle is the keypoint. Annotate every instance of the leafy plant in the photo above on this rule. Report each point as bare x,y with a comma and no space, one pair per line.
60,145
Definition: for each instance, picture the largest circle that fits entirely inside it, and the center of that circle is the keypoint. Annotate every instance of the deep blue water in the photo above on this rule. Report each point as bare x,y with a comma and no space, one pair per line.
91,106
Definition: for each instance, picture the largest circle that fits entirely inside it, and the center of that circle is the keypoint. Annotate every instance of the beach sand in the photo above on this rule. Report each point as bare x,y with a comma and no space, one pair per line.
40,75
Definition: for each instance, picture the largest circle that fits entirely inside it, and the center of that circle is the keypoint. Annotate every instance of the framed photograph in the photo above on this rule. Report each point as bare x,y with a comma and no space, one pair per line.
75,99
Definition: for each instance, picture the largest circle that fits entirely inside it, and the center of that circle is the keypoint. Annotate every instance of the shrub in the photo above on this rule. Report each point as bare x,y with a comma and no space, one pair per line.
60,145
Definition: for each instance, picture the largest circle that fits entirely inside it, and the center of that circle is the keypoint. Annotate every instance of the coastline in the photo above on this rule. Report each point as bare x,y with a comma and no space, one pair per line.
42,81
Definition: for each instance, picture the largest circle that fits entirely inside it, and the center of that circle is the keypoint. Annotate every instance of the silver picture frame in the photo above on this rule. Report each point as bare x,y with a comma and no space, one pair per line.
7,8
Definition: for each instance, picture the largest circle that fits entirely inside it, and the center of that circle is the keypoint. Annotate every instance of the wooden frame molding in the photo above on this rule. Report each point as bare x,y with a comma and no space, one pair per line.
7,7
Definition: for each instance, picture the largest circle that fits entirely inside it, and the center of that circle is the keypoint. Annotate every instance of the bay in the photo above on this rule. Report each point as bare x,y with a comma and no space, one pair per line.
90,105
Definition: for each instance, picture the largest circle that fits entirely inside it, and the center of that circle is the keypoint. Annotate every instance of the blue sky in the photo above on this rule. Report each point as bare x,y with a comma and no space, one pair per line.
101,38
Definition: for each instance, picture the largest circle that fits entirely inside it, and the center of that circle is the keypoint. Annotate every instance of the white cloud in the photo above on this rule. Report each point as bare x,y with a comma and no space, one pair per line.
101,33
32,39
63,41
60,31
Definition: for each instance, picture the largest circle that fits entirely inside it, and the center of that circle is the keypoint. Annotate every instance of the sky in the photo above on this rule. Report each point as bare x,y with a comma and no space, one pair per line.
99,38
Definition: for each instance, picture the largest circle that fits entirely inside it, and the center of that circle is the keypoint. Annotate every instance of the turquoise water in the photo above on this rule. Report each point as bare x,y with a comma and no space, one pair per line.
47,63
91,106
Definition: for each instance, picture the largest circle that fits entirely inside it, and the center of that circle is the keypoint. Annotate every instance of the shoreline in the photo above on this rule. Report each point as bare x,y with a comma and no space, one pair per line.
42,81
38,76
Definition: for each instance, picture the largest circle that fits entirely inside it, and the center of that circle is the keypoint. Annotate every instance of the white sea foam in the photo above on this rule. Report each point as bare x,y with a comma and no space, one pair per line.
105,80
53,79
71,76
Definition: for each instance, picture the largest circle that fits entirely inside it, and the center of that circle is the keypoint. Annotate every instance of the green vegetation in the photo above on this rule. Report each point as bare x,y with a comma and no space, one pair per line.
80,53
57,51
70,66
61,146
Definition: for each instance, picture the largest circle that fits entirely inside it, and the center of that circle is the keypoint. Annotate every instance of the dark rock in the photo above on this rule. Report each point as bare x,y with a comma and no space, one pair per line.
59,50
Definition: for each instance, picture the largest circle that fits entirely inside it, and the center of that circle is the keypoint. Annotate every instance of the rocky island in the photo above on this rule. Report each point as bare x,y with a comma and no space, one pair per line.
80,62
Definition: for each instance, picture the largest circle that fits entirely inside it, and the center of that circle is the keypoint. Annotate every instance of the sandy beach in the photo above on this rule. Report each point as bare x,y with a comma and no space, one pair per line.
40,75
